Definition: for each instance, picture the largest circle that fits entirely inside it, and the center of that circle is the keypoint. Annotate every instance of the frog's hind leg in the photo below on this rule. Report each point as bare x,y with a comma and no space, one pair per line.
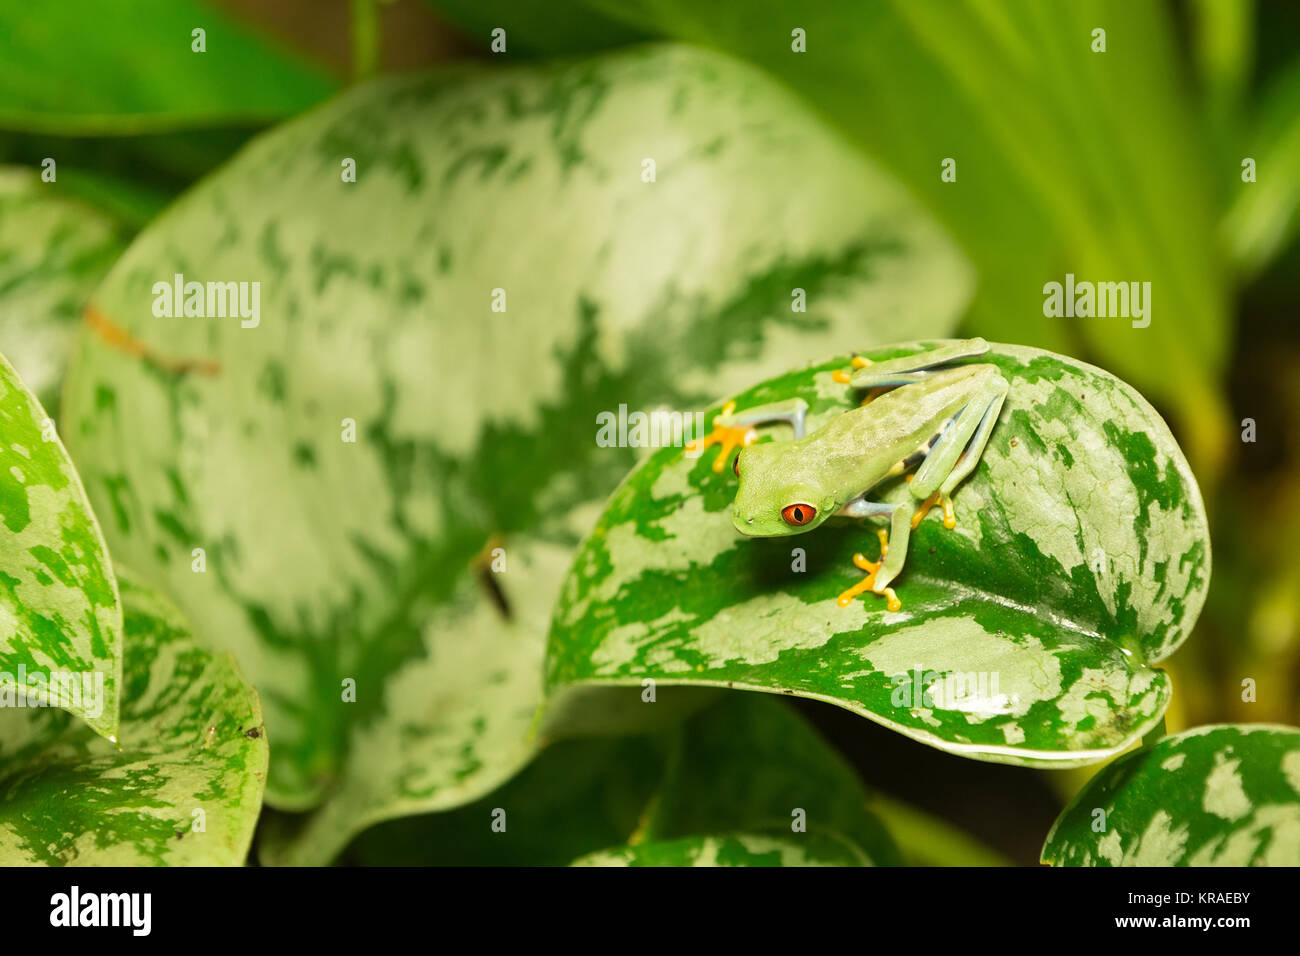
909,369
733,429
893,551
958,451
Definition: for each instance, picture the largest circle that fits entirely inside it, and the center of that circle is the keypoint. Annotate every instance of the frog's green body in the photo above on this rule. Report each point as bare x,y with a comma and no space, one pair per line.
851,455
940,418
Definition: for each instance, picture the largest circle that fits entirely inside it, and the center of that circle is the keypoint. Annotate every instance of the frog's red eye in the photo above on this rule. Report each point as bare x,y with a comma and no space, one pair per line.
735,466
798,514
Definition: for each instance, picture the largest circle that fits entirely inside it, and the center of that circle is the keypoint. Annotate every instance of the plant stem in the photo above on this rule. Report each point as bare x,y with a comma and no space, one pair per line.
926,840
1154,734
365,39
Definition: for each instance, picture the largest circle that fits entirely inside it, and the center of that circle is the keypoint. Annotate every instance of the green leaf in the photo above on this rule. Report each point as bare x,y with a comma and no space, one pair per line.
1223,795
1263,218
1222,41
191,740
744,763
325,559
1080,558
60,619
74,67
735,849
53,252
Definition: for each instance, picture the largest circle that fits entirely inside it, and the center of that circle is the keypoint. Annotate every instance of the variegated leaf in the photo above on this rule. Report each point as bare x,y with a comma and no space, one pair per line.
1027,635
1223,795
744,763
324,559
735,849
185,785
60,620
53,251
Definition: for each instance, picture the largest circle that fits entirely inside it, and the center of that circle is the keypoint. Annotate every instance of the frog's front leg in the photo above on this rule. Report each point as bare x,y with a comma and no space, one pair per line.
893,551
733,429
958,450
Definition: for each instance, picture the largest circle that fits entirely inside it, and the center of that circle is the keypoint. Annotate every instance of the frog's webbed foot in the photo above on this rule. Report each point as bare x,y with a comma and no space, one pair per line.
733,429
869,582
728,434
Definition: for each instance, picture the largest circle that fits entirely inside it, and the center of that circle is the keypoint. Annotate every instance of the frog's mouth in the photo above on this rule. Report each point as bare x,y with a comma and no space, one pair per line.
744,523
759,525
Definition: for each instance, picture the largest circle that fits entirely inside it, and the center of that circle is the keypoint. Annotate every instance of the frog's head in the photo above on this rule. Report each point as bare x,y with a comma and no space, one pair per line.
775,499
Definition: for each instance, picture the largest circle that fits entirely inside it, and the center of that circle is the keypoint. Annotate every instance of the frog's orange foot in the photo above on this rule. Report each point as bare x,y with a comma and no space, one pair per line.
843,377
728,436
949,516
869,582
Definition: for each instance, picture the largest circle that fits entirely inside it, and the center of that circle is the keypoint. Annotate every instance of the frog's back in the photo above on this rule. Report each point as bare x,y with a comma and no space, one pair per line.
865,443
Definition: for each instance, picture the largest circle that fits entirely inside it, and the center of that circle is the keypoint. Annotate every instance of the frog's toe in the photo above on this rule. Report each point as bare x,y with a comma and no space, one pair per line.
728,436
844,377
869,582
938,498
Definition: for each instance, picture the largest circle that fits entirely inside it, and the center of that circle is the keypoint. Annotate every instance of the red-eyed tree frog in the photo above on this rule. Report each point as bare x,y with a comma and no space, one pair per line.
918,414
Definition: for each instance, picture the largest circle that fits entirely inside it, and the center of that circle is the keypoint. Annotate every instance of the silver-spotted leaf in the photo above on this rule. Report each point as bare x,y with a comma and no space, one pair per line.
185,785
1222,795
53,252
60,619
311,486
455,720
1026,634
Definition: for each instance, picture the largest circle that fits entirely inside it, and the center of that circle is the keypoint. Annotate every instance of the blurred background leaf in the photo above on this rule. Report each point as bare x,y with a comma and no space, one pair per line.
53,252
75,67
558,27
1261,219
747,762
129,112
